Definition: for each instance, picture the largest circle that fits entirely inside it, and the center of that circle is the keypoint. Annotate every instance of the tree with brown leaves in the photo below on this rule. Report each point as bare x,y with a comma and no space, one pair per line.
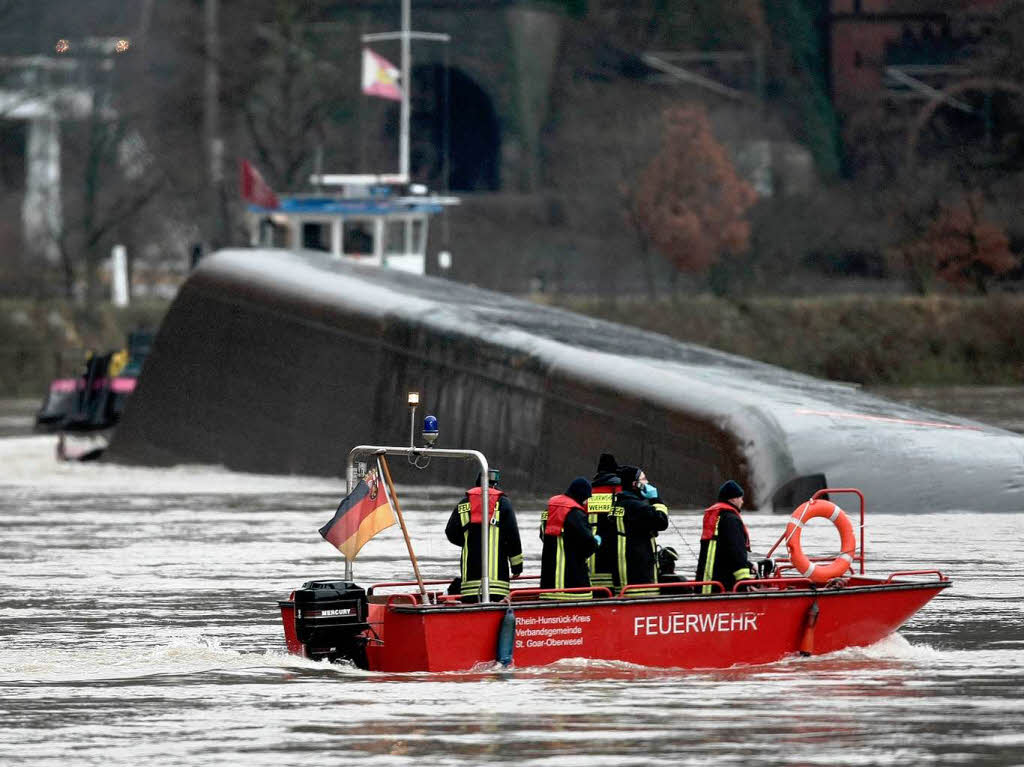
690,204
962,247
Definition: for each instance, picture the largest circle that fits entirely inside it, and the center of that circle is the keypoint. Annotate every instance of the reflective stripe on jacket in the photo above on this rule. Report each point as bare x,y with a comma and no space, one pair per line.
724,545
604,488
568,543
629,552
504,548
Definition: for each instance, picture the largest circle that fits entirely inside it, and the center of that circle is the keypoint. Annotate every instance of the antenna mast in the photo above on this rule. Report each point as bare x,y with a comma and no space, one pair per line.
403,143
406,36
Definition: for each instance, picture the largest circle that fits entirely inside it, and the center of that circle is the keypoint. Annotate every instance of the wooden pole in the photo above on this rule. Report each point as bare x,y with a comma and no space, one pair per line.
382,467
772,550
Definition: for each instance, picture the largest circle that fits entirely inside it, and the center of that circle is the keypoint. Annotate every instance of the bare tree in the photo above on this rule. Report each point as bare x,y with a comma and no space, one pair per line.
109,179
289,83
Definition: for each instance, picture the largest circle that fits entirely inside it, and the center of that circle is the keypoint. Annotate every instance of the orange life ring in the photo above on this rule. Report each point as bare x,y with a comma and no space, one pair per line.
819,572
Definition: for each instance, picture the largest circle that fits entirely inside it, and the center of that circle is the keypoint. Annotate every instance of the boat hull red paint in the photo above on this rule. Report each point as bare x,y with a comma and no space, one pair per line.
693,632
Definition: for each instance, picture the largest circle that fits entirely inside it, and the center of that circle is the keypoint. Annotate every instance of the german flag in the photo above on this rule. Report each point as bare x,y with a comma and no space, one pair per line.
362,514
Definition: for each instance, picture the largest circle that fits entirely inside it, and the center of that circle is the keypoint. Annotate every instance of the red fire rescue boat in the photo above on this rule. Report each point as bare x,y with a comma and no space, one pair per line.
806,607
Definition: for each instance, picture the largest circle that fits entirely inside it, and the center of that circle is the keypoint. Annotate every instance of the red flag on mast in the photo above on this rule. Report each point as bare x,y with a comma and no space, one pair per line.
255,189
380,77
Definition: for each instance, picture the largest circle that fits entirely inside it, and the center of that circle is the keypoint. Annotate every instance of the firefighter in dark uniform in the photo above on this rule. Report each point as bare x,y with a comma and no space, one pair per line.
605,486
667,571
505,551
568,542
667,557
636,518
724,541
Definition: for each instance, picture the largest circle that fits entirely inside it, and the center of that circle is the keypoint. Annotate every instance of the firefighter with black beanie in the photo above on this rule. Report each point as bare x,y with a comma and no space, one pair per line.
504,548
637,516
568,542
724,541
605,486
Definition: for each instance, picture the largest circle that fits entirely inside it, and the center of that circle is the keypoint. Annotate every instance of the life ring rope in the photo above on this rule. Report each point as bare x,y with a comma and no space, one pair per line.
817,572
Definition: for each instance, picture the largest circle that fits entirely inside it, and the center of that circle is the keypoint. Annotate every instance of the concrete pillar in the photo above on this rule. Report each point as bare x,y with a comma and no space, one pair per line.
42,217
535,36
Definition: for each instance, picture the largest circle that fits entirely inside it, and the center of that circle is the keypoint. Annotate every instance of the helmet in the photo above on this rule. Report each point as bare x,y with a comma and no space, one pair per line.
667,559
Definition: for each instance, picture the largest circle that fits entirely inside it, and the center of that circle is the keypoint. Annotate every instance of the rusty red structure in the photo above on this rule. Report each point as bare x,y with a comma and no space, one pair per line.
868,36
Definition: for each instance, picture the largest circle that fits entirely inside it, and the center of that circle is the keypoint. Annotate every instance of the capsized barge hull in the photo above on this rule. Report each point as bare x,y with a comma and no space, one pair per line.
302,352
682,631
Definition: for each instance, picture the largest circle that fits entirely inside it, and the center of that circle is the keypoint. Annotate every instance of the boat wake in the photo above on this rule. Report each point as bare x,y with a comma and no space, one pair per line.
894,649
191,654
185,654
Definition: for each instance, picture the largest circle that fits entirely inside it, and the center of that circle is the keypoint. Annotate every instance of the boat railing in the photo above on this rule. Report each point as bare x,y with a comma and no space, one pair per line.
858,555
656,589
398,584
860,529
772,584
515,594
782,563
433,598
846,580
904,573
592,591
439,598
448,599
393,599
651,589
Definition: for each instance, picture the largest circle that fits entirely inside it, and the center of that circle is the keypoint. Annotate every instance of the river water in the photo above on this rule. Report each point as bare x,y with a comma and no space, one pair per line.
139,626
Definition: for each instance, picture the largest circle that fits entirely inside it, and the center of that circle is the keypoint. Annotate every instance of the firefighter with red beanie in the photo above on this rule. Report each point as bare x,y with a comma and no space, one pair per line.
568,542
725,542
505,550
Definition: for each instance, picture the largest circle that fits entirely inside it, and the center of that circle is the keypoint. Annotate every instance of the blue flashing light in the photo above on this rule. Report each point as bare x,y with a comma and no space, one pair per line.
430,429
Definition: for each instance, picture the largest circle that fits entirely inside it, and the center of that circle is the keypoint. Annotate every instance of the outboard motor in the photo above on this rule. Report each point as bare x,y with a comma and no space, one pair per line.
330,618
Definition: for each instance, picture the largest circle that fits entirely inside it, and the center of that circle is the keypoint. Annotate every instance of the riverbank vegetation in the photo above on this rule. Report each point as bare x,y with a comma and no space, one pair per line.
42,340
872,340
868,339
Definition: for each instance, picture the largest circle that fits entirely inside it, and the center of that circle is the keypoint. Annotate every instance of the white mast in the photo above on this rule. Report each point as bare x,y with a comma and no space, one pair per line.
403,143
406,36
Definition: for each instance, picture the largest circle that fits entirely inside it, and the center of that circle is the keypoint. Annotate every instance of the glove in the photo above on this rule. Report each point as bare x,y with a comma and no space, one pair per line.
765,567
517,570
598,539
649,491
